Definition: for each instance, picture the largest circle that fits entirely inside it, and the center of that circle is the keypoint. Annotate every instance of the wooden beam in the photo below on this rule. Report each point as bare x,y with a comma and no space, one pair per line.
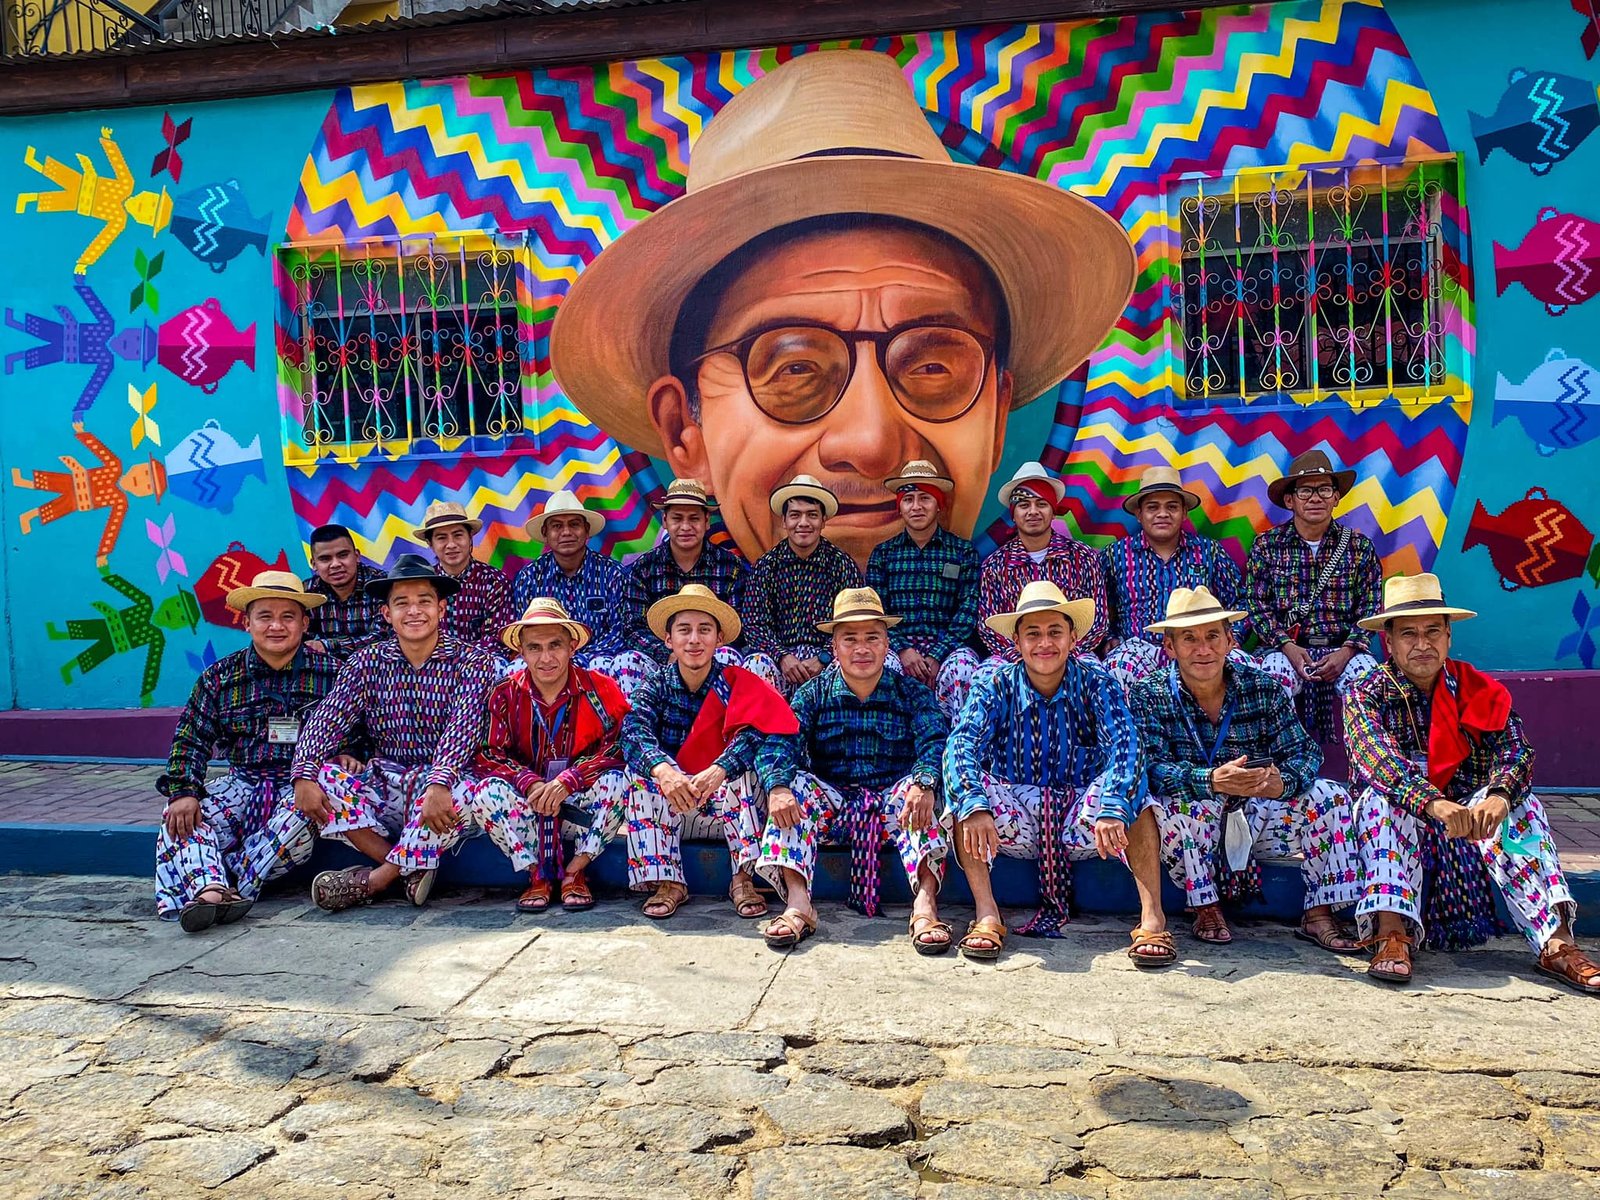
304,62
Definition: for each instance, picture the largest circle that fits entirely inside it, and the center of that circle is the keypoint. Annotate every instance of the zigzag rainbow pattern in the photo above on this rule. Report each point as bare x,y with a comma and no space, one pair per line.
1114,109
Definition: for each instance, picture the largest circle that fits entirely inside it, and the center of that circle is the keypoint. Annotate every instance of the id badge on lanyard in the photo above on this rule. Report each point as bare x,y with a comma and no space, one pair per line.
283,731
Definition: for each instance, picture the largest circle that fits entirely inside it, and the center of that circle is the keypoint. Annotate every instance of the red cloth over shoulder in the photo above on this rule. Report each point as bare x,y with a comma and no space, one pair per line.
1461,716
752,703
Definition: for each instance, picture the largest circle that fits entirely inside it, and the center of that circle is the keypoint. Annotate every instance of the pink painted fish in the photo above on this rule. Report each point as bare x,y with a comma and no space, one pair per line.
1558,261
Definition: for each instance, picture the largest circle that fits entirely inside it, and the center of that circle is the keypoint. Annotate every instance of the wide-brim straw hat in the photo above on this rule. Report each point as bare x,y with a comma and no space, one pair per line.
442,513
1413,596
544,610
686,491
1033,473
804,487
1313,464
1043,596
1155,481
836,133
855,606
1189,607
694,597
920,471
409,567
274,585
562,503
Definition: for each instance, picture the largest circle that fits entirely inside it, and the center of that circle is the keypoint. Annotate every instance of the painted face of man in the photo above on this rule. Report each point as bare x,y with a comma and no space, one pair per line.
860,648
693,638
686,526
566,534
452,546
1161,516
862,280
1419,646
1032,514
547,649
335,562
802,524
1201,651
276,627
918,510
413,610
1044,640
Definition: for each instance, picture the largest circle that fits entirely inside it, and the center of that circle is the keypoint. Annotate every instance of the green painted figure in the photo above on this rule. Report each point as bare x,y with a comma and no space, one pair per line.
118,631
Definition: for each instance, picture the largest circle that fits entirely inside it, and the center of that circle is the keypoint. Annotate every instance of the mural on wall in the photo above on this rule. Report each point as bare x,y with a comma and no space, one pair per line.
1535,542
96,343
1557,405
214,223
138,624
112,200
173,135
1543,116
1591,25
1558,261
88,489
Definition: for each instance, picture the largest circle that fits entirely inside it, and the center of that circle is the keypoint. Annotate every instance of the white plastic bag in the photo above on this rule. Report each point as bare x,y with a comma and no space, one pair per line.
1236,840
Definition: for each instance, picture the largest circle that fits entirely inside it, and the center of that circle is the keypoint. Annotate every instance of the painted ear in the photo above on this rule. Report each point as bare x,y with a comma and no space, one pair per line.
683,443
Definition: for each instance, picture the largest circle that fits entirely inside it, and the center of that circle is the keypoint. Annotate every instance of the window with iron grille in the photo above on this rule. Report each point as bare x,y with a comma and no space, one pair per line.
405,342
1343,281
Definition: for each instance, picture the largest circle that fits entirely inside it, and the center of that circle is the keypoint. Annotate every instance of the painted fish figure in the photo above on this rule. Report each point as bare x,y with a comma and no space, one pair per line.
1536,541
1558,404
209,467
215,224
1558,261
200,345
1542,118
233,568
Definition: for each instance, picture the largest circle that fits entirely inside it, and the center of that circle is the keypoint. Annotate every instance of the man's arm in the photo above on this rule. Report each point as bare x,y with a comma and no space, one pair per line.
1294,752
1170,774
780,755
1367,594
967,749
463,731
1091,577
496,614
878,580
591,762
500,757
640,742
197,734
929,729
331,721
758,613
634,602
1512,772
1375,756
964,622
1259,596
991,601
1125,784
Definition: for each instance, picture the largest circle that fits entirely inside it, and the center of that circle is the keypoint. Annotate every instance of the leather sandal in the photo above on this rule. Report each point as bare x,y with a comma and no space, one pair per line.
1572,967
419,886
537,896
987,930
575,893
1165,950
1211,926
335,891
201,914
1392,949
788,929
747,901
668,897
1328,934
921,926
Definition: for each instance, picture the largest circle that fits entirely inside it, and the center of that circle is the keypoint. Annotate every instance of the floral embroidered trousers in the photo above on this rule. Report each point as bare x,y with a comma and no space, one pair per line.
1316,826
655,832
1276,663
1534,889
1015,808
249,832
1135,660
824,816
954,681
606,802
632,669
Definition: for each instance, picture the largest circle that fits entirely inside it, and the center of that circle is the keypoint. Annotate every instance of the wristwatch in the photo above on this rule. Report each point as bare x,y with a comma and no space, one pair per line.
926,779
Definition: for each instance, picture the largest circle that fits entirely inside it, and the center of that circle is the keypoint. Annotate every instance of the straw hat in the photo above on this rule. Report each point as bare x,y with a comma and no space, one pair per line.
836,132
543,610
442,513
686,491
694,597
406,568
562,502
855,605
809,488
1413,596
1156,480
1034,475
1313,464
920,471
1188,607
274,585
1042,596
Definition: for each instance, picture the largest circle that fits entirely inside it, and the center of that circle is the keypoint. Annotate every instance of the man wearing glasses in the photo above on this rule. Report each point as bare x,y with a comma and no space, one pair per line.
1307,584
834,298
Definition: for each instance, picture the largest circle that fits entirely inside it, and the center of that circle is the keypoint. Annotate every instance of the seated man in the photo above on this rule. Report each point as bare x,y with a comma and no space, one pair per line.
552,752
420,697
1221,735
480,606
350,619
1145,568
1044,762
1445,809
791,587
863,765
929,577
221,839
587,584
689,743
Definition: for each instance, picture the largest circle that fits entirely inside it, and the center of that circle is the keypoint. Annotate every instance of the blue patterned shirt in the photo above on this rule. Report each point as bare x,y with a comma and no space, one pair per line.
663,713
1069,564
347,625
655,574
934,588
786,597
874,743
1009,730
591,596
1138,583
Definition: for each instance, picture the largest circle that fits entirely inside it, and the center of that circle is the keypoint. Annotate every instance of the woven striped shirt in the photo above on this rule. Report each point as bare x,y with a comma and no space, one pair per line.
1280,574
346,625
1138,582
932,588
1069,564
786,596
591,595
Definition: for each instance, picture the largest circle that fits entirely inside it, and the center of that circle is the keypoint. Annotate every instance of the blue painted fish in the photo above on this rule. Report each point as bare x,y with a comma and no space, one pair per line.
1558,404
1542,118
215,224
209,467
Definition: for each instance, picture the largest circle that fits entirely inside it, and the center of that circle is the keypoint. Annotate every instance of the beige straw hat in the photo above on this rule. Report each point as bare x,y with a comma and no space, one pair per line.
920,470
274,585
686,491
807,487
855,605
445,512
1042,596
1031,472
694,597
1413,596
563,502
544,610
1188,607
1156,480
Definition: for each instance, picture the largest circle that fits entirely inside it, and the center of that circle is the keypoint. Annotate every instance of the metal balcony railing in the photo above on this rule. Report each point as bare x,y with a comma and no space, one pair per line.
35,29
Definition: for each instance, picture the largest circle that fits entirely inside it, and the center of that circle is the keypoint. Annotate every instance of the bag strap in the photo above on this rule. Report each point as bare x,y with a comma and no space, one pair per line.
1324,577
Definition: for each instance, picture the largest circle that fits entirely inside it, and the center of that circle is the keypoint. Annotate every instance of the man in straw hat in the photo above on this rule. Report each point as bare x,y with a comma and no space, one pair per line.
1144,569
588,585
480,606
1445,809
862,767
1037,551
1233,775
349,618
420,698
1044,762
792,586
689,743
928,576
552,753
222,838
685,556
835,295
1307,584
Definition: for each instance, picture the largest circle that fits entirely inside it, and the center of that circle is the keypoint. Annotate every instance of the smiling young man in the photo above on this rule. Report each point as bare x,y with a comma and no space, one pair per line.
1443,773
1144,569
349,618
689,743
929,577
420,698
1044,762
222,838
1220,736
480,604
587,584
862,767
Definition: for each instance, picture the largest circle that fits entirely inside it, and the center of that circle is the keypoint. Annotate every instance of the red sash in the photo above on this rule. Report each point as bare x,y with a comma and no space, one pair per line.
752,704
1477,705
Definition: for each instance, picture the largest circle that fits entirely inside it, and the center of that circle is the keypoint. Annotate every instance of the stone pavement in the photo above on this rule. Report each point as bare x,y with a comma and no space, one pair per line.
464,1051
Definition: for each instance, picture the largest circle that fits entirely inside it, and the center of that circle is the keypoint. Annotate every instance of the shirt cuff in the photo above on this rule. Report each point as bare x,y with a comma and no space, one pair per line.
1360,641
569,779
443,776
525,781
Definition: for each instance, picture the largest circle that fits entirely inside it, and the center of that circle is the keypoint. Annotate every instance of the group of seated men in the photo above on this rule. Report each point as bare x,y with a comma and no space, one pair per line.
1050,703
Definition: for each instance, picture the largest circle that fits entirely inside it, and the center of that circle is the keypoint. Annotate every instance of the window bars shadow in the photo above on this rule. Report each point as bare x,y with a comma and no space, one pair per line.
34,29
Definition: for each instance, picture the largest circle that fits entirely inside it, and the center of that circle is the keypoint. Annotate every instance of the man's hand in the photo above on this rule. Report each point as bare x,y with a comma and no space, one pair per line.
310,799
1110,837
783,807
350,763
1458,819
545,798
1272,785
1330,668
707,782
182,817
676,787
980,839
1233,779
917,813
1487,816
798,670
919,666
1298,658
317,647
1110,644
438,809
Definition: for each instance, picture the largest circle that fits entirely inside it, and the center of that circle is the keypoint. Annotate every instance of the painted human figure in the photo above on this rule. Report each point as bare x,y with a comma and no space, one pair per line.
119,630
69,341
111,201
84,489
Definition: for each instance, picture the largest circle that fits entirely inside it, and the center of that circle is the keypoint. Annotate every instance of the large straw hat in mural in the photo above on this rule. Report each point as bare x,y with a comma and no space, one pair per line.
835,132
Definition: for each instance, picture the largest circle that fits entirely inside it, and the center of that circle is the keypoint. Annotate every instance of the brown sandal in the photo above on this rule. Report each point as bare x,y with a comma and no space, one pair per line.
335,891
1211,926
200,914
788,929
1572,967
921,926
1328,934
536,898
668,898
575,893
986,930
1393,949
747,902
1166,950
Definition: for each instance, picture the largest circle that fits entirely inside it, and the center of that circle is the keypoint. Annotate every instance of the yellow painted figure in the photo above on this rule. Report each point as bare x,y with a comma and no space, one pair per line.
85,191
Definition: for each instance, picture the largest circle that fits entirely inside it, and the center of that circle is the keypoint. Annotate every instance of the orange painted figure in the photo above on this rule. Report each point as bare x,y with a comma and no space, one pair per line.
83,489
85,191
